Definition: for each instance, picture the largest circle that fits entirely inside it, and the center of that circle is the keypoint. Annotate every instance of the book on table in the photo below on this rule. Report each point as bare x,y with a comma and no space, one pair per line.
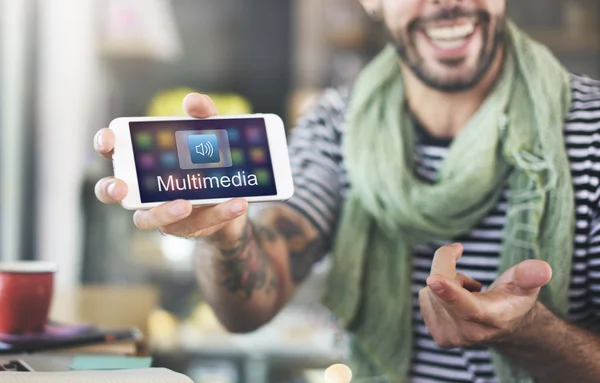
77,339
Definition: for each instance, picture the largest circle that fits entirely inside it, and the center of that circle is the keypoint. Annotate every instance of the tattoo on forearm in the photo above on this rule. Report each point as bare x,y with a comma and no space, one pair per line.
263,235
246,266
302,251
239,248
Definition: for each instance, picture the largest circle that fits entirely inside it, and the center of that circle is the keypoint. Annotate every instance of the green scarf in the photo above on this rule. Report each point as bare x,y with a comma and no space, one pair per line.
516,137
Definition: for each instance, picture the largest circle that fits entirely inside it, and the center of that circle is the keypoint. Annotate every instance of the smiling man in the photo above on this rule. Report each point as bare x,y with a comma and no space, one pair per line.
455,186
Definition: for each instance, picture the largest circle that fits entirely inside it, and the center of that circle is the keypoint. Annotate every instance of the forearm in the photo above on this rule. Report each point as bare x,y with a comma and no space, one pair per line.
552,350
239,280
249,279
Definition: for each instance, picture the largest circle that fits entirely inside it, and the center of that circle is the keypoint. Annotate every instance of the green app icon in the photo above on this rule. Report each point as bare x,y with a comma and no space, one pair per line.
237,157
263,177
143,140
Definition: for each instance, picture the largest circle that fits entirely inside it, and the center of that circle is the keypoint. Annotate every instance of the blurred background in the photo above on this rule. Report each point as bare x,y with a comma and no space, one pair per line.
67,68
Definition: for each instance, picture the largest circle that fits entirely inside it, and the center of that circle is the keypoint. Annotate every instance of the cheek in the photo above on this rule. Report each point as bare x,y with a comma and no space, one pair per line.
399,13
496,8
423,46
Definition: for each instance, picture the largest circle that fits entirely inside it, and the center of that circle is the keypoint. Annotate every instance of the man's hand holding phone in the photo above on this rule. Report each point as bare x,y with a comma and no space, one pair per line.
179,218
194,177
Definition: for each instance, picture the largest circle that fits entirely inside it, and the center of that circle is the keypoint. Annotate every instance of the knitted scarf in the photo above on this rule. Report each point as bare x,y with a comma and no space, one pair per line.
515,139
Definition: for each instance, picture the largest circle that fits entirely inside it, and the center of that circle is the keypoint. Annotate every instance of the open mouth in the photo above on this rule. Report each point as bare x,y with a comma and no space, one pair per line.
451,37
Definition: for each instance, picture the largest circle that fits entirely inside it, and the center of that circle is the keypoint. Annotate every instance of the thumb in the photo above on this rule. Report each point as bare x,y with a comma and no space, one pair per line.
529,276
199,106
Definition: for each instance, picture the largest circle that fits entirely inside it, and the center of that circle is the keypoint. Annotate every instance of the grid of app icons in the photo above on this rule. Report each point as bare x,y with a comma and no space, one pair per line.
155,150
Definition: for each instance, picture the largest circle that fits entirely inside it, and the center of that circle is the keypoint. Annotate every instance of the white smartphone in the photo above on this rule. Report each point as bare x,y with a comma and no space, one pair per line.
205,161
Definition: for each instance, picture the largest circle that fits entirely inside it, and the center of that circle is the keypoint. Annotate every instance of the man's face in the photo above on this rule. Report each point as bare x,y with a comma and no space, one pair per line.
448,44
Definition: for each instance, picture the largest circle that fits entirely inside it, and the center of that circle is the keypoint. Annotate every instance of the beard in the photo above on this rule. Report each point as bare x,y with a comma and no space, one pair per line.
492,42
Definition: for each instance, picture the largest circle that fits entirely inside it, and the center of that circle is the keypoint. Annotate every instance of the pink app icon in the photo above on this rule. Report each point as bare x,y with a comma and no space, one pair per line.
254,135
147,161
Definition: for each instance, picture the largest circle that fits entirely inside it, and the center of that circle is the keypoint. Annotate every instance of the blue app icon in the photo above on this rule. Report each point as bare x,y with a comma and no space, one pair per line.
169,160
204,149
234,134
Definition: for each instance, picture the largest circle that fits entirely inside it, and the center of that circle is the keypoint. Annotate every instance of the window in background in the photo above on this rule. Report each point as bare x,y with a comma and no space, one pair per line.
17,68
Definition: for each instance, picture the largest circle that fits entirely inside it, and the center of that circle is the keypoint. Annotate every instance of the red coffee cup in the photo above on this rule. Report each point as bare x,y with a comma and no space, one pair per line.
25,296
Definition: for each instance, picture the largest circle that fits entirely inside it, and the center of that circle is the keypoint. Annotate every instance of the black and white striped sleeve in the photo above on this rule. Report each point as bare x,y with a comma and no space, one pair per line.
315,156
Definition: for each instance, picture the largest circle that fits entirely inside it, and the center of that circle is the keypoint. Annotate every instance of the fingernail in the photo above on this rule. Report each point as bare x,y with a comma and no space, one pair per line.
437,287
112,190
99,141
236,208
177,209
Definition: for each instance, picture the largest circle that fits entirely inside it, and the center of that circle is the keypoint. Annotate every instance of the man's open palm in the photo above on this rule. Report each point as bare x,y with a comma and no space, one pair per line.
458,314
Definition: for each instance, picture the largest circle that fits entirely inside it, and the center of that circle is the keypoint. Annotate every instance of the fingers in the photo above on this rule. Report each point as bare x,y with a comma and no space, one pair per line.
163,215
202,219
180,219
456,298
524,279
529,276
437,283
104,142
199,106
444,261
468,283
110,190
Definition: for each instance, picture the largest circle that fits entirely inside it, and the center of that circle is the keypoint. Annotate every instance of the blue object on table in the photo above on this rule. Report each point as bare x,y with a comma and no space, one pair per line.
109,363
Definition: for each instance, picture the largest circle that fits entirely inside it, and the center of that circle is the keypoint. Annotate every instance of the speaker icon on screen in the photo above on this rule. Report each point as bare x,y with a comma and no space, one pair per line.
204,149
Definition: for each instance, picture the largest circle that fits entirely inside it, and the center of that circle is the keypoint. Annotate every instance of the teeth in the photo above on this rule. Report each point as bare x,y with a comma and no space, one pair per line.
449,44
458,32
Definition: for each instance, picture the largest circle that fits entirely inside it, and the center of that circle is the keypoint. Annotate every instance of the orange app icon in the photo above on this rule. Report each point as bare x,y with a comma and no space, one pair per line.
166,139
258,156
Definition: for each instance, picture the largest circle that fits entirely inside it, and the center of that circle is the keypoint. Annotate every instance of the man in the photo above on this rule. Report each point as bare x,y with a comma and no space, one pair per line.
463,136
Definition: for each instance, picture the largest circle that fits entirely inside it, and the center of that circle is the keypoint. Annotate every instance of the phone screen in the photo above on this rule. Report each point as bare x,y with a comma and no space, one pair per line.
202,159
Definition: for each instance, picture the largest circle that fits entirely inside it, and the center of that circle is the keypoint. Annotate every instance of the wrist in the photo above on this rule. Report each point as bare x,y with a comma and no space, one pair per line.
529,328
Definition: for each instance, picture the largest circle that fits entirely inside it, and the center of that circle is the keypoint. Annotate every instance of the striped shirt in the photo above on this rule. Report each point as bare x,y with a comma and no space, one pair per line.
321,185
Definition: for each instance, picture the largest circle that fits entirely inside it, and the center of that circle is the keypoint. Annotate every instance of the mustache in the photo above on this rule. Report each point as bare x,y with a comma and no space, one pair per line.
450,14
